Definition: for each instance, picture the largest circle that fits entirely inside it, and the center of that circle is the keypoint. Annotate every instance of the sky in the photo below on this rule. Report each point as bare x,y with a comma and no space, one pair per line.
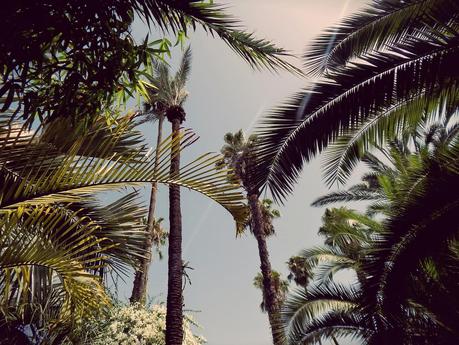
227,95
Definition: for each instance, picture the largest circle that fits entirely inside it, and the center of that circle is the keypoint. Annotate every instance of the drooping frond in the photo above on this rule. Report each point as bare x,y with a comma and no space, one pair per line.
119,223
35,173
321,263
308,314
367,101
179,15
420,225
64,252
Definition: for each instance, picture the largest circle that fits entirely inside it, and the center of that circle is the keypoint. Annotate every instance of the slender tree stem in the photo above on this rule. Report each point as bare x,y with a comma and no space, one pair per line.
139,289
174,317
269,291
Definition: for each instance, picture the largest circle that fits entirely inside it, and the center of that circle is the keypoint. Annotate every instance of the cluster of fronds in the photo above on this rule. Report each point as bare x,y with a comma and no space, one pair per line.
382,70
56,242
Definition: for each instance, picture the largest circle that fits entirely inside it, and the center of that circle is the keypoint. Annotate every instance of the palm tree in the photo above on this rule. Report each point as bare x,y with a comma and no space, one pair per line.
167,96
162,94
364,97
406,270
49,221
280,285
239,154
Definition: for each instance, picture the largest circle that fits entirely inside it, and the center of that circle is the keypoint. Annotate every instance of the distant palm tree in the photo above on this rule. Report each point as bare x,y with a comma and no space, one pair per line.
166,98
163,93
280,285
239,154
383,69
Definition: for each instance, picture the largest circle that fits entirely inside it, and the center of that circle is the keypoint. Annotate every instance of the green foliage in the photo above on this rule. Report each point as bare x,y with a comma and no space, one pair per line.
406,263
76,58
280,286
56,242
382,70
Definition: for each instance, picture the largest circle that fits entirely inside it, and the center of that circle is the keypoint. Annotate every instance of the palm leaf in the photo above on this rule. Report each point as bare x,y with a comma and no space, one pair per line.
379,84
33,174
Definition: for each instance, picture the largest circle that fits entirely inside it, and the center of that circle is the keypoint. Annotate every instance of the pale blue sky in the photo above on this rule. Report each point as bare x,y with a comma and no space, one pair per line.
226,95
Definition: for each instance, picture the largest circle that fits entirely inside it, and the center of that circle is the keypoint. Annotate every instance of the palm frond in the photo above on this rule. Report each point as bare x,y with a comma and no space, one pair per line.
321,311
346,196
413,233
119,223
65,253
180,15
33,174
359,94
382,24
185,67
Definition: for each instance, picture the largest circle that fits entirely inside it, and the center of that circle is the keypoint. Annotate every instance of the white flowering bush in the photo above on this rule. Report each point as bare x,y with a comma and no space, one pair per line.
137,325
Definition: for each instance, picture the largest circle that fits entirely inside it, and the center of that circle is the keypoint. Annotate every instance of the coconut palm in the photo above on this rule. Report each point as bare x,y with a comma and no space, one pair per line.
163,92
51,224
382,70
238,154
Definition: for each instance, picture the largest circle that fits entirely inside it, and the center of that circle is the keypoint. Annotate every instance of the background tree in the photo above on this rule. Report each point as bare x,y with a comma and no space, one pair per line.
239,154
281,287
164,92
76,58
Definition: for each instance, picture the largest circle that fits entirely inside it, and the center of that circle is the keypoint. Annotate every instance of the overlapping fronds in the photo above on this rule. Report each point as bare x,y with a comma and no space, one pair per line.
406,266
119,223
30,241
313,314
321,263
421,225
36,173
56,235
371,93
381,24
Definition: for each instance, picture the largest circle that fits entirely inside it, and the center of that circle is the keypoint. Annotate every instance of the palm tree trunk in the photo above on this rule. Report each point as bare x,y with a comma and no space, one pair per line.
139,289
272,304
174,316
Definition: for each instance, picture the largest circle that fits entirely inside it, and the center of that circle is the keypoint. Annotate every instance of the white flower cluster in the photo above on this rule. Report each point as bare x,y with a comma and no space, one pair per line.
138,325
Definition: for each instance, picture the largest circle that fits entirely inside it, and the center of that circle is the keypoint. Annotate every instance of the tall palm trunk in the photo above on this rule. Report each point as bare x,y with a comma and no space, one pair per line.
139,290
272,304
174,316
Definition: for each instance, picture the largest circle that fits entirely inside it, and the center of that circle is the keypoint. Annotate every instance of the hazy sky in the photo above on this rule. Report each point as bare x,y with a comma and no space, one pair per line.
226,95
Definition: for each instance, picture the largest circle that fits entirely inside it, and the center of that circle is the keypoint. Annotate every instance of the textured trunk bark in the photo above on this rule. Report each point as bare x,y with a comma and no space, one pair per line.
139,289
272,305
174,316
